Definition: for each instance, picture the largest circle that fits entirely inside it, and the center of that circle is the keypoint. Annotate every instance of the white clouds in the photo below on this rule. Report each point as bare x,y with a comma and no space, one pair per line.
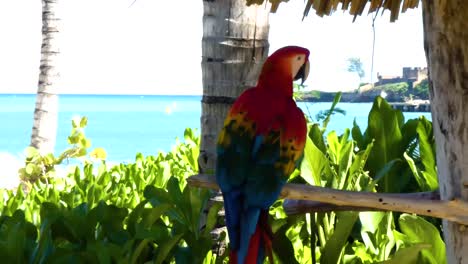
112,46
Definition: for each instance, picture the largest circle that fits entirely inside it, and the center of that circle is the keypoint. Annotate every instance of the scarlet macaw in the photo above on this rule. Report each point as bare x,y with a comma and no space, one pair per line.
260,145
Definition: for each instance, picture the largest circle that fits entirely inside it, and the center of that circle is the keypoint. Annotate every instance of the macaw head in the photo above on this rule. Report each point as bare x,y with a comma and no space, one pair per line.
285,65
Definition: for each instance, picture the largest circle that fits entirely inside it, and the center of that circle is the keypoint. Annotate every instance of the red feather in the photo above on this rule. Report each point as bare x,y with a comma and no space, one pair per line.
254,245
262,237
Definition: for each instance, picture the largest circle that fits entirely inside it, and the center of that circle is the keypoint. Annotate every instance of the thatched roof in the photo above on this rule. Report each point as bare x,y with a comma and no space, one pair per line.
355,7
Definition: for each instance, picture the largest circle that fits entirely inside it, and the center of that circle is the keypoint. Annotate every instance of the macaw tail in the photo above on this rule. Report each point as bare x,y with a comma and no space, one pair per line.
260,244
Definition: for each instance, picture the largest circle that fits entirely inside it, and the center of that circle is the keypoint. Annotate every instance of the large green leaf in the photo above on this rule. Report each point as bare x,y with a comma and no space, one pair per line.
334,248
45,246
407,255
420,179
314,164
409,132
384,126
331,111
371,220
282,246
340,152
16,237
358,136
419,230
356,170
377,233
153,214
212,218
166,247
158,196
427,152
316,135
195,202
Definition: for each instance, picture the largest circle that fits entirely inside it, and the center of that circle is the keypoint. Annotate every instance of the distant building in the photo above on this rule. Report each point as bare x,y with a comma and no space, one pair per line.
386,79
414,75
411,75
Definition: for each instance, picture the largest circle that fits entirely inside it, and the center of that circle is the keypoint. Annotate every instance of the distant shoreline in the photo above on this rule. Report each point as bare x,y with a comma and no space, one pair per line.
355,97
397,101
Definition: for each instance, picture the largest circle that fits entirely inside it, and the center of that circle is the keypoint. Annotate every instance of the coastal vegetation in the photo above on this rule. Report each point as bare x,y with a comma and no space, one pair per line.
393,92
421,90
144,211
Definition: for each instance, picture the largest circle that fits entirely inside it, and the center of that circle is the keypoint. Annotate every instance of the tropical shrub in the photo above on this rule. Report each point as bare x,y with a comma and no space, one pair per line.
144,211
128,213
41,167
398,88
390,156
421,90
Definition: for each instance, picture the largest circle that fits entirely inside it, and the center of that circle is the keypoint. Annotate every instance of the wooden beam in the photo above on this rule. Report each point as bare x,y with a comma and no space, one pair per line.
292,207
418,203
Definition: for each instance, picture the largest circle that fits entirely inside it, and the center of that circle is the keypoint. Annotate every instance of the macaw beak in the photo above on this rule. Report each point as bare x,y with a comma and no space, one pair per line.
303,72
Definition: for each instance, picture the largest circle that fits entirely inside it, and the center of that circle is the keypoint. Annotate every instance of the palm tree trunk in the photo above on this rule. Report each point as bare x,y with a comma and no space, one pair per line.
446,45
45,114
234,46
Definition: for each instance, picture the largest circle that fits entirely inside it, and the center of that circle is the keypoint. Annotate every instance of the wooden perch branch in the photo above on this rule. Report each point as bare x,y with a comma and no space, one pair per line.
292,207
417,203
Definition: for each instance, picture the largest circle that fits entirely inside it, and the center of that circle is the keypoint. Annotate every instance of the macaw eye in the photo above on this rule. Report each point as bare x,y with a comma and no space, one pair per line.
299,58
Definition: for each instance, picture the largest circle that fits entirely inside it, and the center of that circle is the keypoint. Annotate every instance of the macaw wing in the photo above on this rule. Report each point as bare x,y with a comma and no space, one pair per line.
234,145
292,141
234,149
275,157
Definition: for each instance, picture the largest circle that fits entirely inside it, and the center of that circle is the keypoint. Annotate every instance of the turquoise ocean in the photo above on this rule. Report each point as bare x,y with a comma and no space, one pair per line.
126,124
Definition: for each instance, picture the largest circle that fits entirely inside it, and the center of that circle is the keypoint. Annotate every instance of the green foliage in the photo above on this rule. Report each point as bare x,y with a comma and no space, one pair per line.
157,228
144,212
398,92
298,91
416,231
128,213
421,90
308,94
42,167
325,115
400,88
391,137
332,162
390,156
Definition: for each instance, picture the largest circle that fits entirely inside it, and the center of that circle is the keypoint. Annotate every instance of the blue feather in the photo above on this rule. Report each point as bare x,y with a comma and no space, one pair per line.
232,208
257,144
249,220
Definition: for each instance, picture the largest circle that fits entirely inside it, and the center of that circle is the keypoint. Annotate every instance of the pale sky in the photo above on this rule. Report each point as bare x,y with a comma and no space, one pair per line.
154,47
